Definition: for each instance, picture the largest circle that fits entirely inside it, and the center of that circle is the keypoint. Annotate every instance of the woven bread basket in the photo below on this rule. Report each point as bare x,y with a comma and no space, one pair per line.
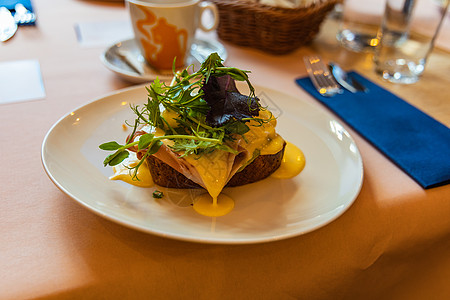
274,30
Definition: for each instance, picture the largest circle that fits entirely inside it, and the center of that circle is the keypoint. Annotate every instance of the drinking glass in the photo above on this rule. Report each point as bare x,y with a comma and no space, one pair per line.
360,22
407,35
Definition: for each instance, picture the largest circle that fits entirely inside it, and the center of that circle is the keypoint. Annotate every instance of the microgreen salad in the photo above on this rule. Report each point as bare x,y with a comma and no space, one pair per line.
210,113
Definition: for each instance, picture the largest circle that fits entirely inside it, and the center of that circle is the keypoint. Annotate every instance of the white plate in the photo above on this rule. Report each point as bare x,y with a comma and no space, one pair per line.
125,59
269,210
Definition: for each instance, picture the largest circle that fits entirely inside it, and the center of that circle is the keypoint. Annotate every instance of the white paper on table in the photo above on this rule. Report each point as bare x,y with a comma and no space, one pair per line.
21,80
103,33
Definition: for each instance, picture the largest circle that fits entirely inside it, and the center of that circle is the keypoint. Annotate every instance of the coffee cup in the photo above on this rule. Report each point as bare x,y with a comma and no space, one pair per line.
164,30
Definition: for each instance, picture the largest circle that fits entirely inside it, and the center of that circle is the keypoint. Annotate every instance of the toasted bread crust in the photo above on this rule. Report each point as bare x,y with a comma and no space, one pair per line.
165,175
262,167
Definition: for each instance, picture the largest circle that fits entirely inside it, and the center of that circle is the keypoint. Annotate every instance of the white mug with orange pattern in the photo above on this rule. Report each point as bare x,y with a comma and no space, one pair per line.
165,29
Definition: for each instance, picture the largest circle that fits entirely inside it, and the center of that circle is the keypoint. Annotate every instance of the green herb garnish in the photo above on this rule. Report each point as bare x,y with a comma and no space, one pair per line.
157,194
209,111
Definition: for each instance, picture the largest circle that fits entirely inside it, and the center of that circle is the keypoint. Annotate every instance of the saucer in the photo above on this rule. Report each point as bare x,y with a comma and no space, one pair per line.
125,59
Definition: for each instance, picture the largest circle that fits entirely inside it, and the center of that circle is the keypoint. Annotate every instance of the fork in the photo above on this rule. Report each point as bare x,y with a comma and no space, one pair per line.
23,16
321,76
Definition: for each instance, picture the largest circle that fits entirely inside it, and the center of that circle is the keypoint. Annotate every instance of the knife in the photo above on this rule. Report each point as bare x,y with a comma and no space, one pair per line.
8,26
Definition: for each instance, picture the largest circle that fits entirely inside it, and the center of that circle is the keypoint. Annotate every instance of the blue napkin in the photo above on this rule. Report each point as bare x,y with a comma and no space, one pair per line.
10,4
414,141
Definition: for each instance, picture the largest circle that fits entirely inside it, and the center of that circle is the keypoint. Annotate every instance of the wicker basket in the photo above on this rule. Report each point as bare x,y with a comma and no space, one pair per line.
271,29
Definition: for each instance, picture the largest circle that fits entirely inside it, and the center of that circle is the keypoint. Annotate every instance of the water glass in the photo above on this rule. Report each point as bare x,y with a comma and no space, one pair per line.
407,34
360,22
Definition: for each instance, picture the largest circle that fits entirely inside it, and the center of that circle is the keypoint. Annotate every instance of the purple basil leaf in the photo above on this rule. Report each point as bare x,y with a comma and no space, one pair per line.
226,103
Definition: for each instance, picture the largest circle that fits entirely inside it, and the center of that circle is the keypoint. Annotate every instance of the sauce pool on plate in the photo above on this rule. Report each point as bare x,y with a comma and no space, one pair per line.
292,164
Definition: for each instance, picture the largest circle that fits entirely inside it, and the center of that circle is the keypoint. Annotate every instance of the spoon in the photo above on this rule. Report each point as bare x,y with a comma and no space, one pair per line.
8,26
346,81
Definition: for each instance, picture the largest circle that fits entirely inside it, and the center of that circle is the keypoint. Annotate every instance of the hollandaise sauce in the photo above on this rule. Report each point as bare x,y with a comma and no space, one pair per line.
213,206
213,168
292,164
122,172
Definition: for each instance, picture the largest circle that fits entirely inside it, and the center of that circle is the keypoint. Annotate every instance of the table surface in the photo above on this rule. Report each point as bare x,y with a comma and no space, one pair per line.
393,242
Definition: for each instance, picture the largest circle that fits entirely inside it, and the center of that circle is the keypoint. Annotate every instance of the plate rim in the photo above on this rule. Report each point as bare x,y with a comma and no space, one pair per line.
204,240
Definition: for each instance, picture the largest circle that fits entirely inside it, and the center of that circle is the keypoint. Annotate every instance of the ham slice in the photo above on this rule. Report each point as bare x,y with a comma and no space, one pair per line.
229,164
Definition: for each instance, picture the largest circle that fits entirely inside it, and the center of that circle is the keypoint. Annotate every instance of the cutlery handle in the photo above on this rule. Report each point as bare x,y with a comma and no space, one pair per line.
311,74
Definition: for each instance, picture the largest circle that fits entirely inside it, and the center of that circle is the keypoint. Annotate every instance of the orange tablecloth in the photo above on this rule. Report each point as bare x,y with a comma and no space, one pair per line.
393,243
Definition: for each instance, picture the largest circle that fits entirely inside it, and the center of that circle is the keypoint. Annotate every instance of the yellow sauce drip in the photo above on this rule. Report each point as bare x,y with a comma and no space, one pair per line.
122,172
213,168
213,207
292,164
